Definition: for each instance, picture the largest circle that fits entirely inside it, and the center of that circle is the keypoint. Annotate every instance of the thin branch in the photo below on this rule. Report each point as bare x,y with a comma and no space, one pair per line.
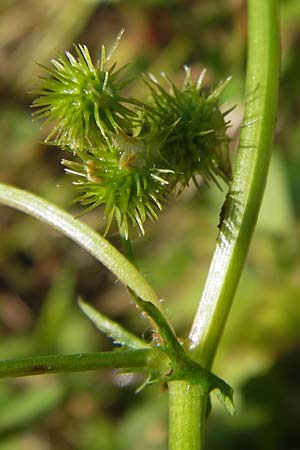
35,365
83,235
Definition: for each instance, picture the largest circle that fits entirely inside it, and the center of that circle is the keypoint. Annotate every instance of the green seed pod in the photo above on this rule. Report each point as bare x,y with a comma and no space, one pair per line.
82,100
188,130
132,162
120,178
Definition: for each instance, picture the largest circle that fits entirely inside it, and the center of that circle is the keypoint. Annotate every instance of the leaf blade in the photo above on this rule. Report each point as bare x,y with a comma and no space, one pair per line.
112,329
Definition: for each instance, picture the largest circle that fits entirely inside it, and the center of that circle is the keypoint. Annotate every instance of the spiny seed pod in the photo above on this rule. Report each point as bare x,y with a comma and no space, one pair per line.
83,100
132,162
189,130
121,179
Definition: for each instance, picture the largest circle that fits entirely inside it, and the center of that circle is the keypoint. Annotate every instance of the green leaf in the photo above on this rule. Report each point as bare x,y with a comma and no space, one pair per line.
112,329
170,344
226,400
189,370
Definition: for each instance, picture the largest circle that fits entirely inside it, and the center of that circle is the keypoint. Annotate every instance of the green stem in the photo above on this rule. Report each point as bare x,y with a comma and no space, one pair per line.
128,251
186,405
135,359
81,233
245,195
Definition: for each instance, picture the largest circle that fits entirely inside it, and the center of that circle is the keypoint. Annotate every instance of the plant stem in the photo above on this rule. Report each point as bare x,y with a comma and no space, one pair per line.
246,192
75,363
128,251
81,233
187,407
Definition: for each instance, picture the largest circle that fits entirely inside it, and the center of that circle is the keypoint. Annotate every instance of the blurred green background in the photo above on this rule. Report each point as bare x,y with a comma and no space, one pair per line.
42,273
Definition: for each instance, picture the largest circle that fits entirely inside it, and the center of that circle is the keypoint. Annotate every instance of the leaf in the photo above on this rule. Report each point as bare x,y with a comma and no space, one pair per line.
189,370
162,325
226,400
112,329
222,390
